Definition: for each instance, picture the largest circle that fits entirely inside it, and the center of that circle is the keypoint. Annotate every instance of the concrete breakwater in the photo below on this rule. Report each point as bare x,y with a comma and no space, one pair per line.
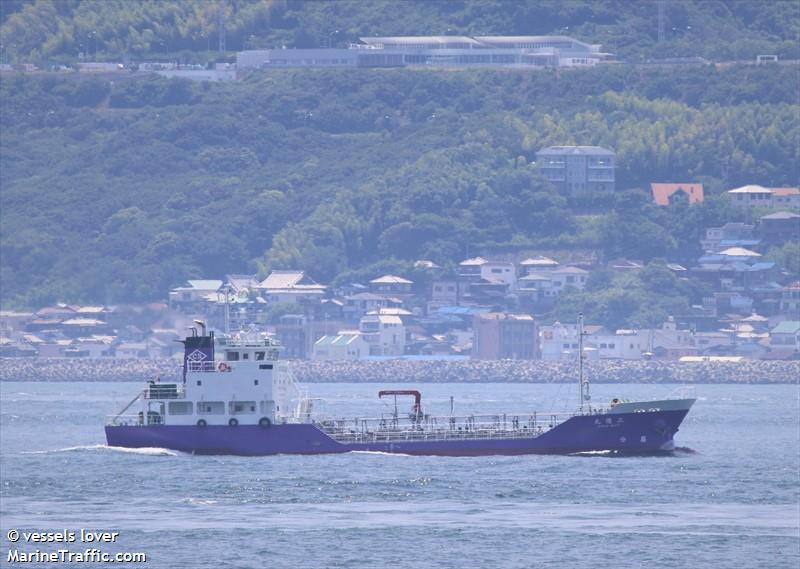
404,371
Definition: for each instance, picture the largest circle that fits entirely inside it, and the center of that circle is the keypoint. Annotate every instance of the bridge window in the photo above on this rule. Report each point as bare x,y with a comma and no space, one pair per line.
241,407
260,356
232,356
180,407
211,408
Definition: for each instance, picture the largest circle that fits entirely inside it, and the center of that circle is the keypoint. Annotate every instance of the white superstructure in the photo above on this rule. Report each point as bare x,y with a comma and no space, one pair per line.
229,380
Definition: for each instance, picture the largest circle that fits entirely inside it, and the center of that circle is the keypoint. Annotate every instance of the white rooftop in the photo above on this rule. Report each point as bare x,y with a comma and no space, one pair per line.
205,284
751,189
571,270
283,280
476,261
580,150
539,261
739,252
391,279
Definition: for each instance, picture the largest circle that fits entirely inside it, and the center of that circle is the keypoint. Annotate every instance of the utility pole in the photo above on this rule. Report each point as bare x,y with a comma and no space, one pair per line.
221,25
660,21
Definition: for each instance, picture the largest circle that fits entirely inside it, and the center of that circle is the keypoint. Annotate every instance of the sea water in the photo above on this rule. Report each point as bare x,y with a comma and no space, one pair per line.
727,498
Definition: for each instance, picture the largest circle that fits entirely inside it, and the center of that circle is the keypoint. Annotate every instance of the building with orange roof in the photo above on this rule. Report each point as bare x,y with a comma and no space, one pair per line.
667,194
789,197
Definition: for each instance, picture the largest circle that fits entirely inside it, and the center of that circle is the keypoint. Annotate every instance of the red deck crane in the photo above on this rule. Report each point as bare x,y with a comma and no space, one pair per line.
417,409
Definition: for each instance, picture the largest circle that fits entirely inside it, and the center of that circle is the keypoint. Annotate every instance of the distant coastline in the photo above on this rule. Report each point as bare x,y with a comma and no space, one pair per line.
403,371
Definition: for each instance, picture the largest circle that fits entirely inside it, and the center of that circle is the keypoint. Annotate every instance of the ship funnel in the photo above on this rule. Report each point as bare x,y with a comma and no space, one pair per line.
202,326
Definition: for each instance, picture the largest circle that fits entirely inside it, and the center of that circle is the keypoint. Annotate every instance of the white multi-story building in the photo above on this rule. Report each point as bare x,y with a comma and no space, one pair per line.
384,334
561,341
538,265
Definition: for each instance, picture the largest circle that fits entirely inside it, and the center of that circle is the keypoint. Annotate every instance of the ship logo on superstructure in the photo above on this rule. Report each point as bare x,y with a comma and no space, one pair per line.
196,356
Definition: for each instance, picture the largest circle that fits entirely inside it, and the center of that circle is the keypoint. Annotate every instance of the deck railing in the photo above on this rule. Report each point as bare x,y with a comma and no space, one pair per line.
406,428
135,420
164,391
201,366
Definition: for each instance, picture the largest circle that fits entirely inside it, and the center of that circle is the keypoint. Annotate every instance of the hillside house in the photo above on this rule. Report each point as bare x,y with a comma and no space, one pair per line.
481,281
780,227
76,327
786,197
469,270
759,196
57,312
391,285
358,305
290,287
538,264
194,296
730,235
668,194
538,290
242,286
565,277
578,170
751,196
443,293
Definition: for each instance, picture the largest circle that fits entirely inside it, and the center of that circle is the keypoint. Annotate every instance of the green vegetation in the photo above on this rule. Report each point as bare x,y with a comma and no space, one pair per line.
115,193
637,300
58,30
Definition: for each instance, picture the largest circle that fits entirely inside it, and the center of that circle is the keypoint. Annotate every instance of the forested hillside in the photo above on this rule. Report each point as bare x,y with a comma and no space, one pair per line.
116,192
58,30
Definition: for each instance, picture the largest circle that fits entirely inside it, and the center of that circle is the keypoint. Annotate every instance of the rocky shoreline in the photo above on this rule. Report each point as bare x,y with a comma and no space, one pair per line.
404,371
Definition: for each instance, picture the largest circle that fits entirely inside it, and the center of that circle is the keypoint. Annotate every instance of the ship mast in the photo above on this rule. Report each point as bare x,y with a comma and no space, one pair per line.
583,383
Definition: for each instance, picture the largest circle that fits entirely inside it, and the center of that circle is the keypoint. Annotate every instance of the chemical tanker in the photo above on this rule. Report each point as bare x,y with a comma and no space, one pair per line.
235,396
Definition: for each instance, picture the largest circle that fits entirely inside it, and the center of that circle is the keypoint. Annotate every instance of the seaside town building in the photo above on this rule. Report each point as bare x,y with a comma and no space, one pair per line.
490,307
385,334
346,345
288,287
504,336
194,294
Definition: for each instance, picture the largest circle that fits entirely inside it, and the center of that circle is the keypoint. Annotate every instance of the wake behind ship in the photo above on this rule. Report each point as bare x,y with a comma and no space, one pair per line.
237,397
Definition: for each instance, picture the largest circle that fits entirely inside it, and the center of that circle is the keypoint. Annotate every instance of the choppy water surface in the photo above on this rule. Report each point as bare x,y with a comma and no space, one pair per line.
728,498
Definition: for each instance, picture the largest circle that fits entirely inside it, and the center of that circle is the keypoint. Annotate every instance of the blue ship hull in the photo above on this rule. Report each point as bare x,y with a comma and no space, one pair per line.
629,433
